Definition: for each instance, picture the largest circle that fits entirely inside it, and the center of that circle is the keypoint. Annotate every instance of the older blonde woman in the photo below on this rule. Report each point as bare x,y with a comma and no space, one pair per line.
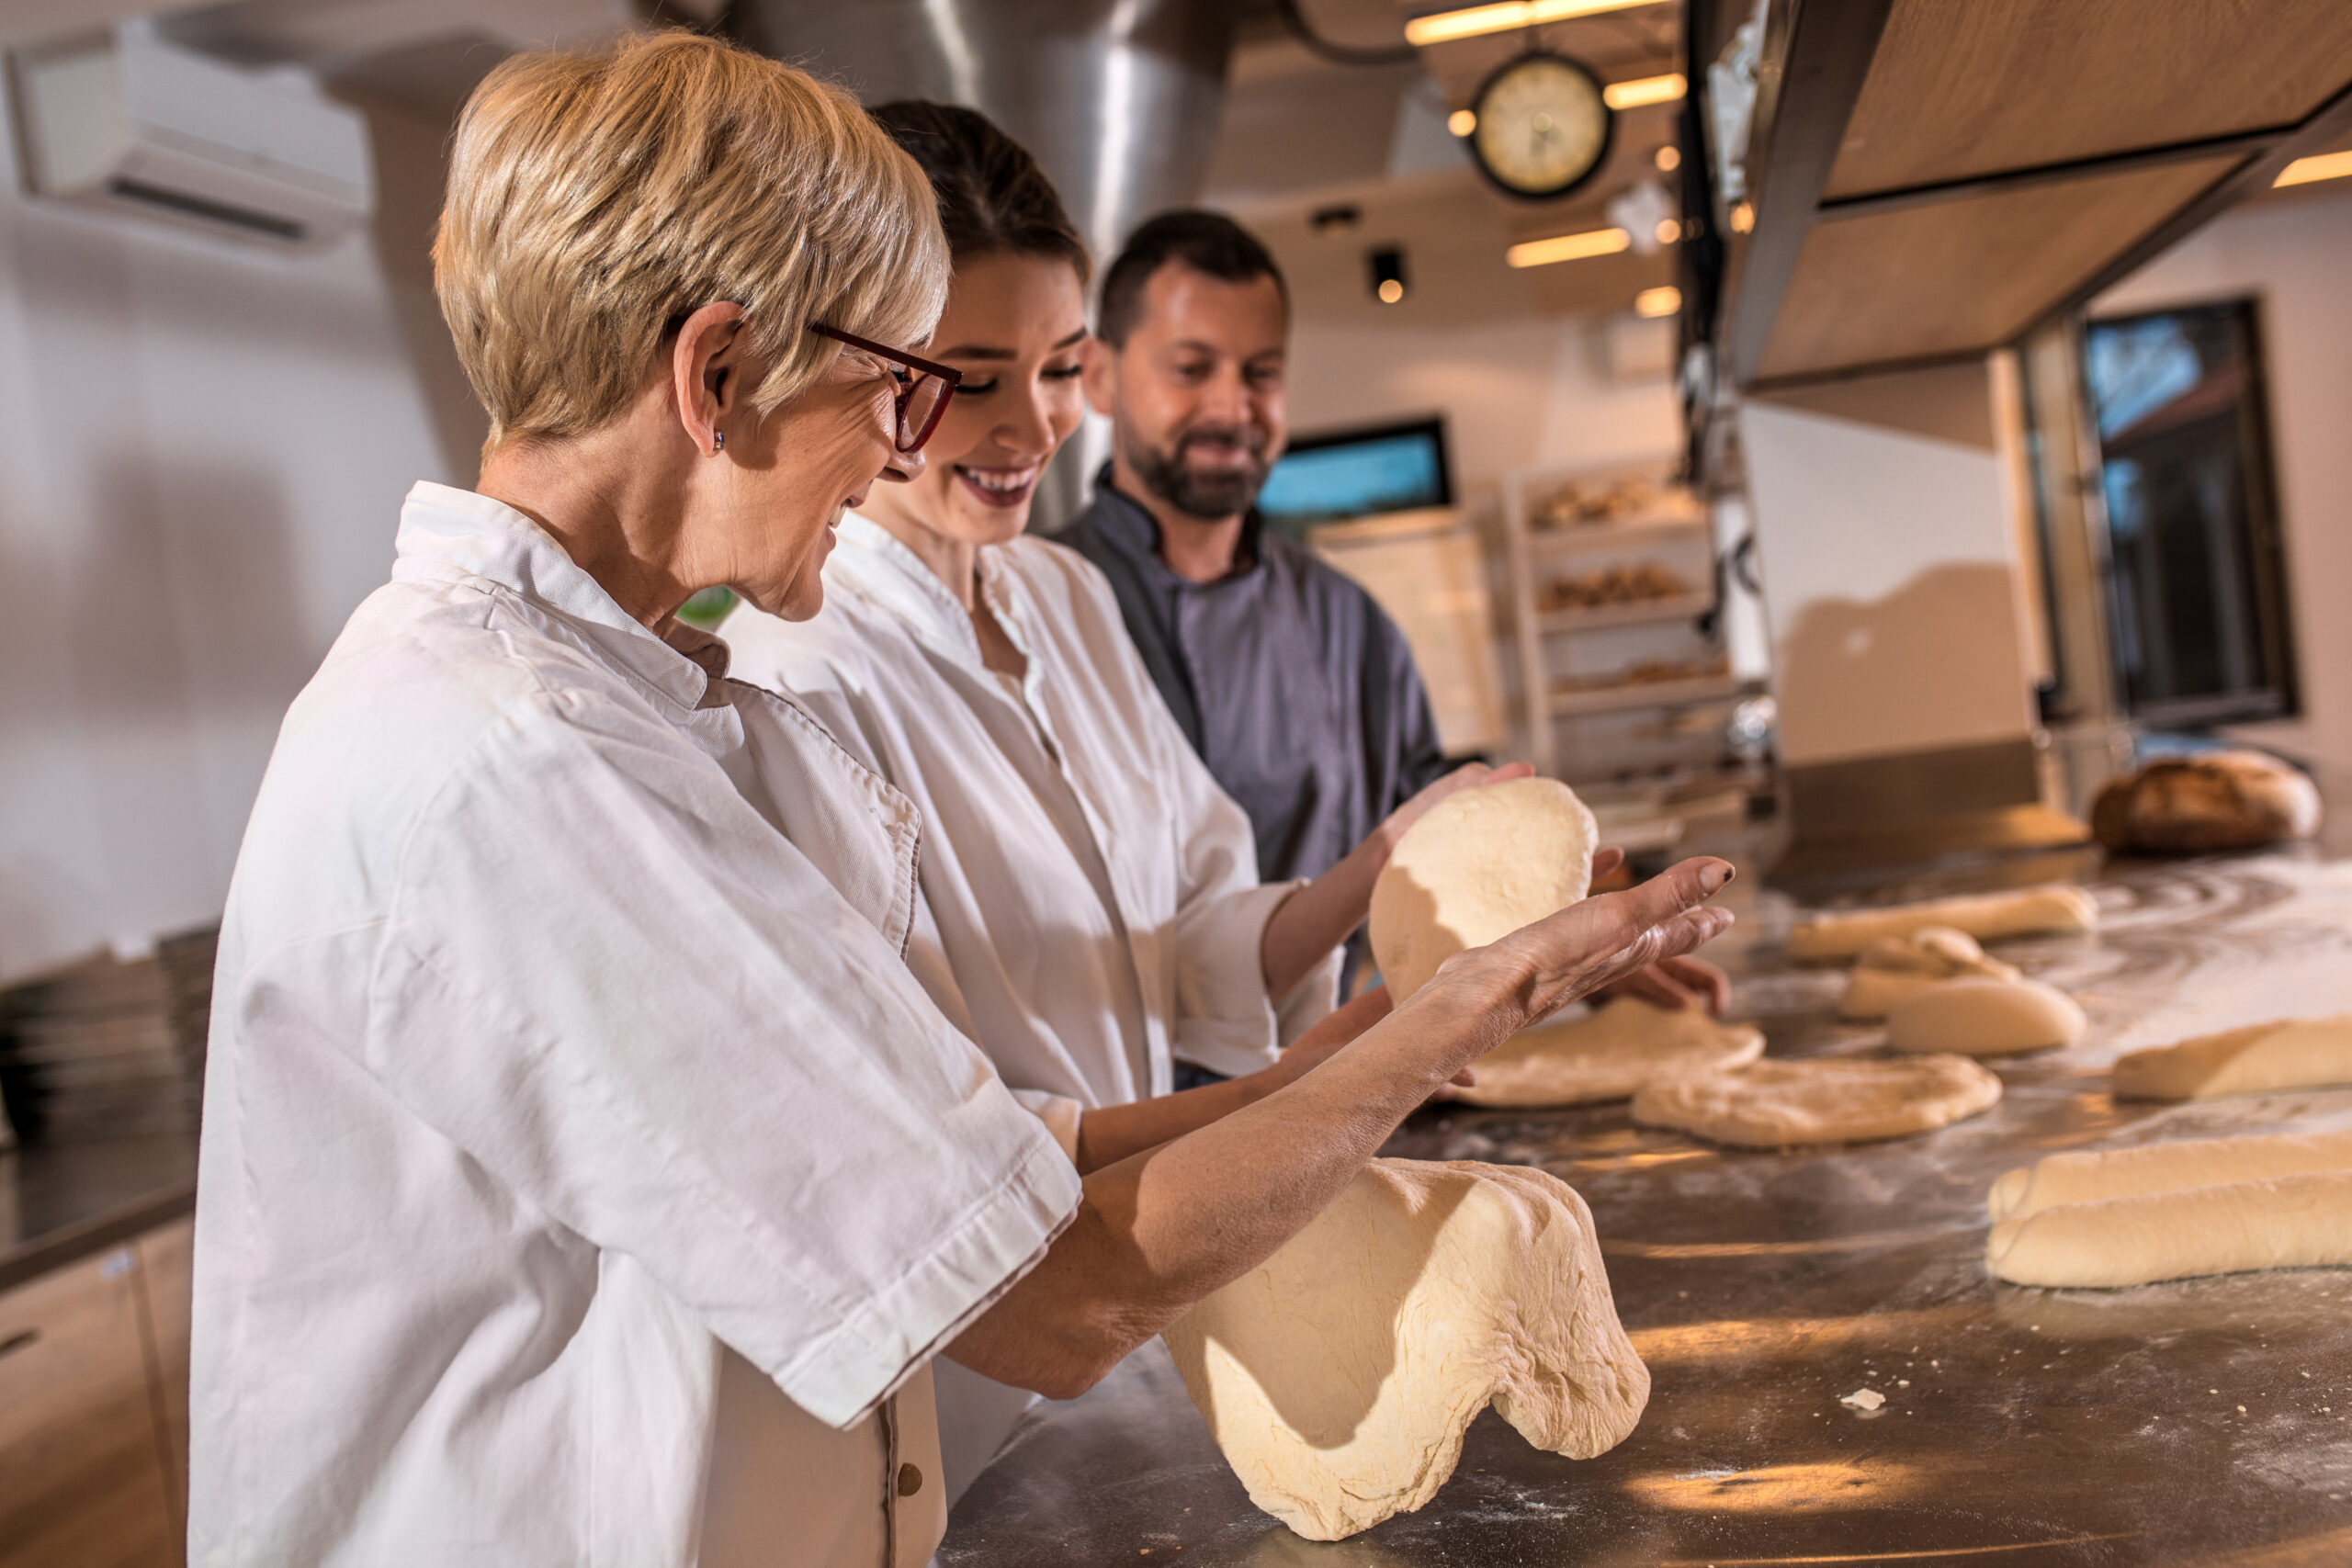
585,1179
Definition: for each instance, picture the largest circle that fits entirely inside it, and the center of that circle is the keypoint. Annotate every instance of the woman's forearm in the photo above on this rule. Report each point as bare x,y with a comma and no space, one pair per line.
1320,914
1159,1230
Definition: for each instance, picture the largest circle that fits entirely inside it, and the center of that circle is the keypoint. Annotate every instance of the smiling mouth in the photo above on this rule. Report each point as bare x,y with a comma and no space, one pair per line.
999,487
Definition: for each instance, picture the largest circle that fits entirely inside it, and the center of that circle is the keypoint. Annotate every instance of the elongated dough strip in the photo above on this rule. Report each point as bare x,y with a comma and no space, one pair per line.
2025,912
2305,1053
2090,1175
2292,1222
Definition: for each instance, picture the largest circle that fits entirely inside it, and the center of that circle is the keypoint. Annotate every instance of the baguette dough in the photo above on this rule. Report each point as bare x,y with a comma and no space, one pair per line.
1822,1100
1892,970
1478,865
1986,1018
2089,1176
1339,1375
2026,912
1607,1055
2287,1222
2308,1052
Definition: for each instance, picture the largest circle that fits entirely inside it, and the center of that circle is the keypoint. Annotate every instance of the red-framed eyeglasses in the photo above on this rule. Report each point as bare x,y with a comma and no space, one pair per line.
924,386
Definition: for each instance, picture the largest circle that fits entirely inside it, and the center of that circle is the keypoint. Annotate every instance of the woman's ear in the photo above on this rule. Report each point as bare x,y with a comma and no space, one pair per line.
706,374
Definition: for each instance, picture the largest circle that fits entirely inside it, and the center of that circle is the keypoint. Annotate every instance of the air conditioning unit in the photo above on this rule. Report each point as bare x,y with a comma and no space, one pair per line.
127,122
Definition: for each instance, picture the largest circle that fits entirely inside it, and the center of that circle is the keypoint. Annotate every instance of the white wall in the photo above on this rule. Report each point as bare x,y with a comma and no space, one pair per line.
202,453
1890,584
1515,393
2291,252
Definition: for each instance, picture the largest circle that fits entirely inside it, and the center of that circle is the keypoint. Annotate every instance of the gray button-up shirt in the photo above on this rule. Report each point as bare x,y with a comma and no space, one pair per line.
1295,689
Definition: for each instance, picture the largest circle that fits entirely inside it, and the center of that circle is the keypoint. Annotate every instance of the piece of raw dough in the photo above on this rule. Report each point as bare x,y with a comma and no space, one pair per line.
1820,1099
2089,1175
1338,1376
2289,1221
1892,970
1986,1018
2300,1052
2026,912
1608,1054
1478,865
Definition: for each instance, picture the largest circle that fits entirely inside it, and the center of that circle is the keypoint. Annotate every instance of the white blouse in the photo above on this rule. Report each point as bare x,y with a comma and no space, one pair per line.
584,1177
1091,908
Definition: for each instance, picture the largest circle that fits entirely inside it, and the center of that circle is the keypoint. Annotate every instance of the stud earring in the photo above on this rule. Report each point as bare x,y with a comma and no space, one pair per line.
718,442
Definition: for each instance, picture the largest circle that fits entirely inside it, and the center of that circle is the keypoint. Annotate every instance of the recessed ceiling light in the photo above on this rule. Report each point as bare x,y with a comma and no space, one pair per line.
1663,300
2303,171
1471,21
1668,159
1644,90
1568,247
1462,122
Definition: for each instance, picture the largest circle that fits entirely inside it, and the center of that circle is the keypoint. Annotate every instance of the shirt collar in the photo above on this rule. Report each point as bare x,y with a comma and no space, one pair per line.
446,532
872,564
1131,527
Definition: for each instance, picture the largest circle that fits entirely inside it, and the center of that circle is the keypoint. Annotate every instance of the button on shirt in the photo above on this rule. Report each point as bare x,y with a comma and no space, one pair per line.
1295,688
585,1179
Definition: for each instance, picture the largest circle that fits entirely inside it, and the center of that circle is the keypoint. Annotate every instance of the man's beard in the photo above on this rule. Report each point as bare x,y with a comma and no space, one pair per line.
1212,496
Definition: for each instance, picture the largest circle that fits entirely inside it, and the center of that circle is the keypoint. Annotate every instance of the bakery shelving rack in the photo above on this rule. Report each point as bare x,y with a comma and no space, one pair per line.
1583,533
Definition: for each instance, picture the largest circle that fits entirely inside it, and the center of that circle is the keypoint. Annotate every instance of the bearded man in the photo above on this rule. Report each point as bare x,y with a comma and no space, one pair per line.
1296,691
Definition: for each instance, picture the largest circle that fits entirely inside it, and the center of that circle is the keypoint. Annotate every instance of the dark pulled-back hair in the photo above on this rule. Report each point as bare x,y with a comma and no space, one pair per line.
1206,241
993,198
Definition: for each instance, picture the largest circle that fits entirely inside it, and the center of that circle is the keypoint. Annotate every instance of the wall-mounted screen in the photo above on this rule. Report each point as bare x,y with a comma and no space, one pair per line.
1340,475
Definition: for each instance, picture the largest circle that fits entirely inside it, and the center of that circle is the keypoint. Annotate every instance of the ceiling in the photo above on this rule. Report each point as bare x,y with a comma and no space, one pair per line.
1303,135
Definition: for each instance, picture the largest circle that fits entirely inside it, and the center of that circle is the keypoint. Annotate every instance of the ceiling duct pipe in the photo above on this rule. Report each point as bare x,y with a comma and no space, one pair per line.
1119,99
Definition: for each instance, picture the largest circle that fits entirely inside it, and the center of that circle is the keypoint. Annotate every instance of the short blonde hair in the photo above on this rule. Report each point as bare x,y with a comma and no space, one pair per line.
595,197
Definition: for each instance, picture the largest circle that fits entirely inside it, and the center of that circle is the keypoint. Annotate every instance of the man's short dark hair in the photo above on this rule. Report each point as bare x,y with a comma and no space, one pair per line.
1206,241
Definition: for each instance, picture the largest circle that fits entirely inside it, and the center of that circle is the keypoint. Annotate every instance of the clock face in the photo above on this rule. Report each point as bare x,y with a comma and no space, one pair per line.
1542,128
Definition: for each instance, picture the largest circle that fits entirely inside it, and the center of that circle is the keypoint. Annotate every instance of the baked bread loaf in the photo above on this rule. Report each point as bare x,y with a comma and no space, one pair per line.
2214,800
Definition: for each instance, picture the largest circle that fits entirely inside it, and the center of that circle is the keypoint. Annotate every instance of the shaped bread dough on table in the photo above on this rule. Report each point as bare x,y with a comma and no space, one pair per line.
2089,1176
1478,865
2286,1222
1608,1054
1892,970
2028,911
1986,1018
2305,1053
1339,1375
1772,1103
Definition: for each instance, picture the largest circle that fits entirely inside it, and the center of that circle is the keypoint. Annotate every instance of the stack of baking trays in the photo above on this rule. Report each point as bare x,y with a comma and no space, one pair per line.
109,1047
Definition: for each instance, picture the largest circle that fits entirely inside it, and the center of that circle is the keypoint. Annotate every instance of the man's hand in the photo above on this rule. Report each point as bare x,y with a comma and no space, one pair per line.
1674,984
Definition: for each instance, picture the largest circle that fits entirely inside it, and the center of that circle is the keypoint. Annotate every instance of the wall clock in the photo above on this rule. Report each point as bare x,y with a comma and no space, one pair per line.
1543,126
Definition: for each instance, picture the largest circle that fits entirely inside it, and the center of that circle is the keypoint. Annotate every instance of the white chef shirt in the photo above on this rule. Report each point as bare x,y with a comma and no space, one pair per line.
582,1169
1090,897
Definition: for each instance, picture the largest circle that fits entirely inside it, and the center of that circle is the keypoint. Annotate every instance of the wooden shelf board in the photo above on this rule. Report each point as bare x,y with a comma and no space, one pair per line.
1677,608
1593,535
1644,694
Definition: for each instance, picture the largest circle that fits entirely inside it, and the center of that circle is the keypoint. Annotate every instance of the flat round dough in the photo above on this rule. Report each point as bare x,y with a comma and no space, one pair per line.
2306,1053
2289,1221
1892,970
2089,1176
1339,1375
1772,1103
2026,912
1608,1054
1986,1018
1478,865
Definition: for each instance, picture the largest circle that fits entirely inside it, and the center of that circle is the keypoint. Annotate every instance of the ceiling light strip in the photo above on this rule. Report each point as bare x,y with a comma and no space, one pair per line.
1644,91
1568,247
2303,171
1473,21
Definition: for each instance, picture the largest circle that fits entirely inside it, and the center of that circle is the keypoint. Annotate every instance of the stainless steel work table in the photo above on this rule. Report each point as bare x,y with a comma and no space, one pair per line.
2200,1421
